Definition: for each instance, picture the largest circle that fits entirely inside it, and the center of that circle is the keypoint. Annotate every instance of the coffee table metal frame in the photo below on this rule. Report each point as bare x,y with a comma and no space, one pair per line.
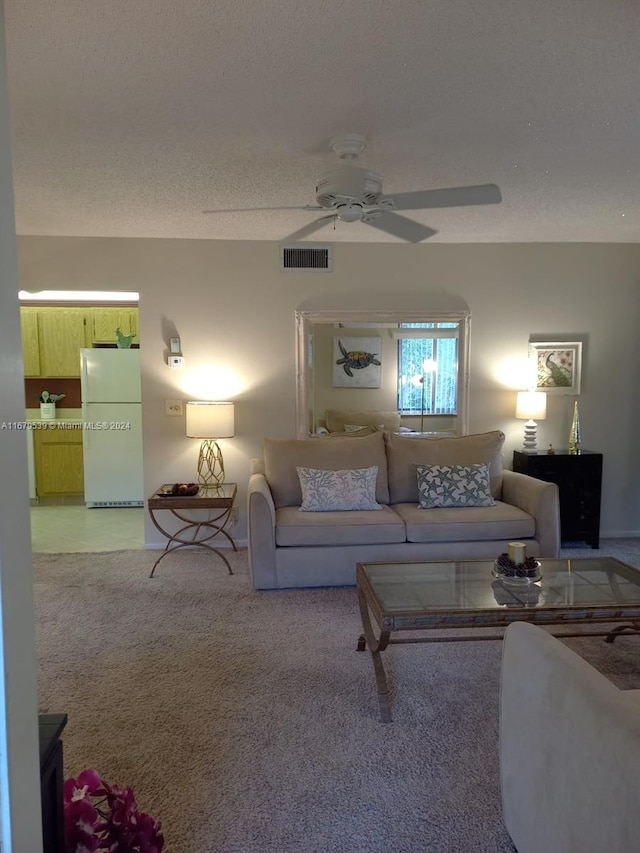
438,618
195,533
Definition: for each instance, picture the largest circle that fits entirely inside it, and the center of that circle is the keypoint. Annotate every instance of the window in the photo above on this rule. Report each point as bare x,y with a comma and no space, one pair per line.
428,368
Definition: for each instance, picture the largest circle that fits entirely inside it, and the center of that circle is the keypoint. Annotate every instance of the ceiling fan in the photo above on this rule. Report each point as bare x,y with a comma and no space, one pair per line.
351,193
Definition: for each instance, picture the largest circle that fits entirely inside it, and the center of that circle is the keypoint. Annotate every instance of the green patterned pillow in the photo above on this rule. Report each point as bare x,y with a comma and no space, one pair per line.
329,491
453,485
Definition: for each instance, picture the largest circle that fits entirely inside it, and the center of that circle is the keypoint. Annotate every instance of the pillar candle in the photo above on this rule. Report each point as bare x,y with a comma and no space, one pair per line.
517,552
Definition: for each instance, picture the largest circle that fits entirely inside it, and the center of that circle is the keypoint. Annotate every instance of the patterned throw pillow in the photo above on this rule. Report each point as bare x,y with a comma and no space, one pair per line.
327,491
453,485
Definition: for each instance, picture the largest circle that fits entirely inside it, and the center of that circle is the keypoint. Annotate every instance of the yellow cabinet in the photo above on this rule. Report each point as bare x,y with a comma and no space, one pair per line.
58,461
30,341
105,321
52,337
62,336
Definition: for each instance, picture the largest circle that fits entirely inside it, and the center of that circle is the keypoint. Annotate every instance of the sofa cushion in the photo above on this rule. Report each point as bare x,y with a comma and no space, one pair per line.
453,485
404,454
464,524
335,419
283,455
349,490
360,527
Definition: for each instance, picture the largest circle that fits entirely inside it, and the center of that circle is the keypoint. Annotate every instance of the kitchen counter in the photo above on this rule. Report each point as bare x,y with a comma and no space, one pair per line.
62,422
64,417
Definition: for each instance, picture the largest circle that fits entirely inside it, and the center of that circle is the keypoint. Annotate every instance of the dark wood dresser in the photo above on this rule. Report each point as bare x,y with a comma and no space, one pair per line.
579,480
51,781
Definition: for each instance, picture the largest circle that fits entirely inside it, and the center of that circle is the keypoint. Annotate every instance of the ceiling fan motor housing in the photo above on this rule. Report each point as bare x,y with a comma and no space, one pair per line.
348,183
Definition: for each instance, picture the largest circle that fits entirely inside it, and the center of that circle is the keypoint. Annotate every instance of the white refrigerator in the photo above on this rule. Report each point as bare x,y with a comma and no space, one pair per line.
111,427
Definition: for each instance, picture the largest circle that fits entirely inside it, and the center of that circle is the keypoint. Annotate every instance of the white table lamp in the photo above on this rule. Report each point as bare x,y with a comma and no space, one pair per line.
531,406
209,421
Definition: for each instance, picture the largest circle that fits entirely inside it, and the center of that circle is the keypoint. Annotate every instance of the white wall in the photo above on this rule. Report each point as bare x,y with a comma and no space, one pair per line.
234,312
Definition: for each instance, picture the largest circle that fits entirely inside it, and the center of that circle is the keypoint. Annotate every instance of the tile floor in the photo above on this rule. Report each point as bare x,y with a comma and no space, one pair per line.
63,529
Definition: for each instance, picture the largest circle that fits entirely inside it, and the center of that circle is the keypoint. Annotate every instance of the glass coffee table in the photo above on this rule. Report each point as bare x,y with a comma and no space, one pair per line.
431,596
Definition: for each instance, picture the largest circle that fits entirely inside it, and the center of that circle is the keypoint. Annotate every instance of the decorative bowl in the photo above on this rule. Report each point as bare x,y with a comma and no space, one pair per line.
518,576
180,490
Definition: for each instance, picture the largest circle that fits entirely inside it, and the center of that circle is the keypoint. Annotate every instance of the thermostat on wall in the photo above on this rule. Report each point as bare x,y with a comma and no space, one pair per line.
176,361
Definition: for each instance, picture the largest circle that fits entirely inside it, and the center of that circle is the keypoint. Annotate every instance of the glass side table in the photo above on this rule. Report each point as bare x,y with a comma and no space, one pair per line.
196,532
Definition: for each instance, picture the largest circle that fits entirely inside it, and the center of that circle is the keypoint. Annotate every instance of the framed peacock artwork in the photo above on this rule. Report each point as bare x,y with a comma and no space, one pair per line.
558,366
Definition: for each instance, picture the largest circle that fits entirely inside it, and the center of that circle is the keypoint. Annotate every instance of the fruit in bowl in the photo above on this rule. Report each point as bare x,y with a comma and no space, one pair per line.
185,489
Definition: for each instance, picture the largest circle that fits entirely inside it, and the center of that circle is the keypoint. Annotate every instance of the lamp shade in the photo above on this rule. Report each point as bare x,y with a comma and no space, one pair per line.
209,420
531,405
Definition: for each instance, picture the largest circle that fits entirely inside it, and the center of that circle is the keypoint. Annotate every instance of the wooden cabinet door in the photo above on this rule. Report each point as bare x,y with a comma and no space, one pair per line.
62,336
59,462
105,321
30,341
134,328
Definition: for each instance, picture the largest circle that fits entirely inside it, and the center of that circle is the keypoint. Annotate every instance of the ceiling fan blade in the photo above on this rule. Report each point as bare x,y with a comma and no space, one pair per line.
448,197
311,228
251,209
400,226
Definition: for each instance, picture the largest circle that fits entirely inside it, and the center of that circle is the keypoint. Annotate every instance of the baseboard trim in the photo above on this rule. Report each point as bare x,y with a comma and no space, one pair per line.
620,534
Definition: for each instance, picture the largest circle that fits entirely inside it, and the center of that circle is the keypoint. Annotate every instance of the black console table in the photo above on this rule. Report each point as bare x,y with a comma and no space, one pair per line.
579,480
51,781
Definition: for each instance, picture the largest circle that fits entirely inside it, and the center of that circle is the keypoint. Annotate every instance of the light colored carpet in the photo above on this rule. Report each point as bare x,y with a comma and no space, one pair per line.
248,723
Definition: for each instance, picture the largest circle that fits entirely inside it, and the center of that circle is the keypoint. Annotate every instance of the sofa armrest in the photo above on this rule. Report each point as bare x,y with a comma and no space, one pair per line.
541,500
569,750
261,533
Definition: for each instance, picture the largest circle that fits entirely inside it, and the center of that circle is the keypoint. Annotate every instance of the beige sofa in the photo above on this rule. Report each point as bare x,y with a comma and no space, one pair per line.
569,750
291,548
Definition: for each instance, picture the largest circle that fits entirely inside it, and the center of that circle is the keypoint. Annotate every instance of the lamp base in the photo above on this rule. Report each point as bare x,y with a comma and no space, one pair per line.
210,465
530,436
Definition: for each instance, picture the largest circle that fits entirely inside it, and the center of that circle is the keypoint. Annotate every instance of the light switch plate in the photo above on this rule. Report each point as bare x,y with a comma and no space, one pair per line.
173,408
175,361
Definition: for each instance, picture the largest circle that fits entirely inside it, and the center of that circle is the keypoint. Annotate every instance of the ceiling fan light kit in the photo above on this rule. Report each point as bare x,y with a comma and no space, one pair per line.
348,183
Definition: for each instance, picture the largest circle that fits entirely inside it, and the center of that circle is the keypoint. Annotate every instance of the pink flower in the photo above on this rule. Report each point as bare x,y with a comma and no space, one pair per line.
88,782
80,818
113,823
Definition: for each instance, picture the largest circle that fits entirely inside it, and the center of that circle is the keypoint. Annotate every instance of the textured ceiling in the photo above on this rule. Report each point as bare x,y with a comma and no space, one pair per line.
132,117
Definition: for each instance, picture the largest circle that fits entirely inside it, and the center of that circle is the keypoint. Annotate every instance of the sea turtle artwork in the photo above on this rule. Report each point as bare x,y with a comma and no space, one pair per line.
355,359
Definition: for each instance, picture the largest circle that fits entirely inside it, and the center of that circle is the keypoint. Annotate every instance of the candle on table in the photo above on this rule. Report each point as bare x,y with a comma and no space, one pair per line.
517,552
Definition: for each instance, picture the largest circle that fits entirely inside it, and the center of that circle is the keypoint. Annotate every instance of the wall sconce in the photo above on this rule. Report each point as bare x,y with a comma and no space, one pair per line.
209,421
531,406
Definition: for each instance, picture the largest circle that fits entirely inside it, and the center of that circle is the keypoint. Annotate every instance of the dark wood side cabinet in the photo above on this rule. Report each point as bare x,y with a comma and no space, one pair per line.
51,781
579,480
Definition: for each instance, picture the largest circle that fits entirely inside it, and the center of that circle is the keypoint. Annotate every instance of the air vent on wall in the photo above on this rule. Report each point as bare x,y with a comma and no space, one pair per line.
311,258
